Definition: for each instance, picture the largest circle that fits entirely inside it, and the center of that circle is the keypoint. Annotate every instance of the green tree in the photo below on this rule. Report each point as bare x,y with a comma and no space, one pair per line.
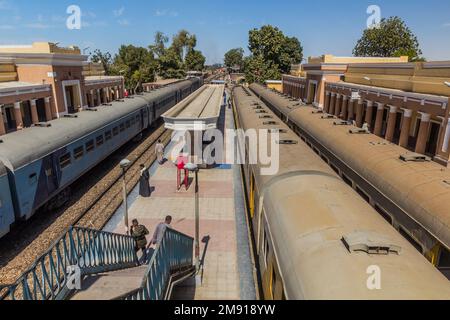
391,38
234,57
272,53
104,58
136,64
195,61
159,47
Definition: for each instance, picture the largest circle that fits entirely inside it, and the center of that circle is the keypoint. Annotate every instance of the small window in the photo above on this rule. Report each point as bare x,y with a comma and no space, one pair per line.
49,172
133,121
65,161
90,146
78,153
108,135
32,178
115,131
122,127
128,124
99,140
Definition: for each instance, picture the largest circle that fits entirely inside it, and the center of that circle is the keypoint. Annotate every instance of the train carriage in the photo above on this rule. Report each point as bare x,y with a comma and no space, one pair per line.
412,196
316,238
43,161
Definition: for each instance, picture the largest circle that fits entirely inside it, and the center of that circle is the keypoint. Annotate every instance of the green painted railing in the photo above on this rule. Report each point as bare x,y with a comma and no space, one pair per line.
77,253
174,255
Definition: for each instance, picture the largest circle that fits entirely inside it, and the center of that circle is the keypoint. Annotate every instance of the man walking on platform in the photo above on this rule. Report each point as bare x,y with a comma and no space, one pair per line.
160,152
160,230
139,233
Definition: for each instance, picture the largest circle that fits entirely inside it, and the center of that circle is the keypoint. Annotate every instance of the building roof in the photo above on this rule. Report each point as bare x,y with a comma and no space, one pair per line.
200,111
93,80
19,87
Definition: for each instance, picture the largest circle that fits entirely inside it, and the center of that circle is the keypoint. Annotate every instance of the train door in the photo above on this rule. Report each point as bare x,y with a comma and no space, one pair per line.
252,195
142,119
50,172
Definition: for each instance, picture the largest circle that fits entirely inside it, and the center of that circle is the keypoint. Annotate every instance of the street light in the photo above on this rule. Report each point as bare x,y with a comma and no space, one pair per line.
194,168
124,164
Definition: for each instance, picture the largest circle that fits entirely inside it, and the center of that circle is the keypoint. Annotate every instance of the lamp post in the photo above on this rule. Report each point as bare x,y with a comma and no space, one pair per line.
194,168
124,164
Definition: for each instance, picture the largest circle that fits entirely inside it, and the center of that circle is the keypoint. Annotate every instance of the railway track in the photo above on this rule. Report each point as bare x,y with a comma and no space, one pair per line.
93,208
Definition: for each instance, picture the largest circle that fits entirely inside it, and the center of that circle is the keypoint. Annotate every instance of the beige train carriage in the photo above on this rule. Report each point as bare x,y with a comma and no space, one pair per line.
413,196
316,237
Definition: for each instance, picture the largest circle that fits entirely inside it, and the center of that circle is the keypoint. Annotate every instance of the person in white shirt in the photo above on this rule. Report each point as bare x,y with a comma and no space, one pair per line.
160,152
160,230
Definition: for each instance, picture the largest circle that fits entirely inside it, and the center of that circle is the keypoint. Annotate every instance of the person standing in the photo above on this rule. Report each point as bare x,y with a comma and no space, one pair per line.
139,233
144,182
158,236
160,152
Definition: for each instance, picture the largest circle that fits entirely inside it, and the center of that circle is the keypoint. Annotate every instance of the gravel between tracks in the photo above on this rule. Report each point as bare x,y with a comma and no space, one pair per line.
93,209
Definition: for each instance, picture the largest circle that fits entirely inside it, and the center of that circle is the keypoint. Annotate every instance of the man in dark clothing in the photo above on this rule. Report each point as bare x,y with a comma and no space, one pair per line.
139,233
144,183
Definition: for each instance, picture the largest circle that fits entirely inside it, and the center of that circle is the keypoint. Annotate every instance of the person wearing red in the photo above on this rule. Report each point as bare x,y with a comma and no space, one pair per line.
181,164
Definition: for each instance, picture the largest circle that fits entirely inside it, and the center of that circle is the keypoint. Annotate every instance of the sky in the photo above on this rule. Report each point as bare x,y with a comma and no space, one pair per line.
322,26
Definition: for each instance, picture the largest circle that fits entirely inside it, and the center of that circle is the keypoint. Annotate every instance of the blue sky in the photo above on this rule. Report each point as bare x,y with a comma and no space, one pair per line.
323,26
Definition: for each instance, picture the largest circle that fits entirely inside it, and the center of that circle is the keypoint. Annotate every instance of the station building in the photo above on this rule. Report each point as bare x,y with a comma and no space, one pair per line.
405,103
42,82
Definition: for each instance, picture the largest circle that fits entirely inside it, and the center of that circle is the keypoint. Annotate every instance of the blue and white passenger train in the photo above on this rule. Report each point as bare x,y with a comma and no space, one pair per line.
37,165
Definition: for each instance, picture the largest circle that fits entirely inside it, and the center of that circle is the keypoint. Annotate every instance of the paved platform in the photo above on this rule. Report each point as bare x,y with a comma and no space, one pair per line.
228,272
111,285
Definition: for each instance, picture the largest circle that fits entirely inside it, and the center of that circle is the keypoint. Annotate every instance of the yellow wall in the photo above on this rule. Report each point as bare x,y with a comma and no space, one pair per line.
427,78
40,47
328,58
8,72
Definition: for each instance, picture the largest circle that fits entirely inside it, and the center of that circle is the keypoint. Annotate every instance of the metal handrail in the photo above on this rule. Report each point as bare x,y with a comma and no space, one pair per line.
173,255
90,251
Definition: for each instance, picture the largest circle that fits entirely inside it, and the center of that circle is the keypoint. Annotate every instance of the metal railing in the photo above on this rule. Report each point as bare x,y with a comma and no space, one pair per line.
174,255
82,251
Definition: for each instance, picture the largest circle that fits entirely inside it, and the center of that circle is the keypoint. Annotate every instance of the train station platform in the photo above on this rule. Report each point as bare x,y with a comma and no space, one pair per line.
227,270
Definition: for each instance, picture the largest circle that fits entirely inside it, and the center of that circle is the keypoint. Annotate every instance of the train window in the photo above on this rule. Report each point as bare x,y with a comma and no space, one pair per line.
128,124
90,146
363,194
444,259
347,180
133,121
99,140
108,135
383,213
138,117
49,172
78,152
32,178
65,161
115,131
122,127
411,240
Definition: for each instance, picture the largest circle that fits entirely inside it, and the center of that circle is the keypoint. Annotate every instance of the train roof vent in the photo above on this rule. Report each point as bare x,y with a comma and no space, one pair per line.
258,108
287,142
70,115
107,104
91,109
341,123
42,125
414,157
447,182
1,141
317,112
359,131
371,243
261,111
327,116
378,144
270,123
266,117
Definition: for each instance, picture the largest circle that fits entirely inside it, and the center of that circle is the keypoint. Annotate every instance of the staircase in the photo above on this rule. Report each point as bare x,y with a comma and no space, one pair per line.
97,265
